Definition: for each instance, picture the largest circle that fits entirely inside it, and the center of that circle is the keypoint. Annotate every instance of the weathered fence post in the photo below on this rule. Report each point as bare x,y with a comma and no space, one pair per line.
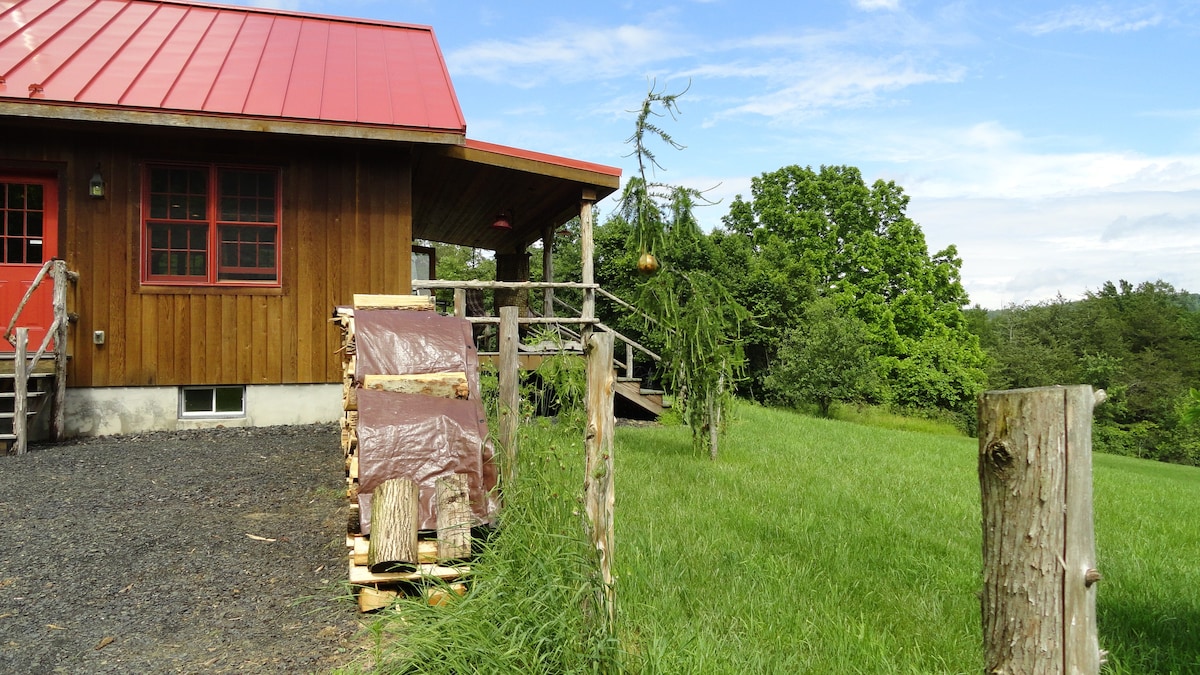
1039,552
510,390
20,420
598,468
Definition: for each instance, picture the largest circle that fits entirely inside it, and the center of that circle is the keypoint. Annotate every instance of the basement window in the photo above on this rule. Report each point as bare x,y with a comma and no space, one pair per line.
212,401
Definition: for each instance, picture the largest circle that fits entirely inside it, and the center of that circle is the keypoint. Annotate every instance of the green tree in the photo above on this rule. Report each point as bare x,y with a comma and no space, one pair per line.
840,237
826,359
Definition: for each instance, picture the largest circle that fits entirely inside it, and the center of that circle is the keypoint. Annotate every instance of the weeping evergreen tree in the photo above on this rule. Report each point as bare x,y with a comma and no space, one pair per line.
700,320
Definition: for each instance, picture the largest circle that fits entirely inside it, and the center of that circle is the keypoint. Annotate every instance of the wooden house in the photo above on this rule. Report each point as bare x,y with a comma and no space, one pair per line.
220,178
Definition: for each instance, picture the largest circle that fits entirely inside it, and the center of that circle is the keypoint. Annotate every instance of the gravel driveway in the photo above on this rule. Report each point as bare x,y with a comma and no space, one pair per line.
218,551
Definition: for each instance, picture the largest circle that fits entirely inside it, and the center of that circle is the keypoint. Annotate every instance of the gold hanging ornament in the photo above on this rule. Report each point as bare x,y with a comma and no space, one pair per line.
647,264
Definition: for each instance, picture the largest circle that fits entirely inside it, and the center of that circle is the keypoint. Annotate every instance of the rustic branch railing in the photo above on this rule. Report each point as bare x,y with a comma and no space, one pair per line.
23,366
580,318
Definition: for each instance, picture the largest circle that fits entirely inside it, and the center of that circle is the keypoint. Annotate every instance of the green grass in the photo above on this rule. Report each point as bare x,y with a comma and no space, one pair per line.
819,546
878,416
809,546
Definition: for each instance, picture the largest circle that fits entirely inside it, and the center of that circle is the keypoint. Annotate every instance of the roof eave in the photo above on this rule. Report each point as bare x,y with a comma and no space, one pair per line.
606,178
52,110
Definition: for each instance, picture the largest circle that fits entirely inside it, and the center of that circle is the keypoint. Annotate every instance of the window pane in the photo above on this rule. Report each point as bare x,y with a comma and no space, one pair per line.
33,196
33,250
228,399
14,250
196,208
16,224
159,206
251,196
197,400
198,267
33,224
16,196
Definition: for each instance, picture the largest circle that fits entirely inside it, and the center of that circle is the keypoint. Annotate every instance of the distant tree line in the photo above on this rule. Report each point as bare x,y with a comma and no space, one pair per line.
1141,344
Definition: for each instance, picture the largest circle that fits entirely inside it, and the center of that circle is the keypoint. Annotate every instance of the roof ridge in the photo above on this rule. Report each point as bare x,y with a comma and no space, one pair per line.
287,12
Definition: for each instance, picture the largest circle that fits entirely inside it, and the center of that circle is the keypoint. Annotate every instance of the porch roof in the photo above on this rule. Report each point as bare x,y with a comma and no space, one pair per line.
176,63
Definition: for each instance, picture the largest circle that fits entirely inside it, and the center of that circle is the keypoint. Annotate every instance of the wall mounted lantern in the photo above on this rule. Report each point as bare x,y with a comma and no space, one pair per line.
96,185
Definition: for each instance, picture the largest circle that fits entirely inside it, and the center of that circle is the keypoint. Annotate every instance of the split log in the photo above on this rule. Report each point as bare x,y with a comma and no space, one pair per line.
349,396
411,302
438,596
394,516
454,517
442,385
371,598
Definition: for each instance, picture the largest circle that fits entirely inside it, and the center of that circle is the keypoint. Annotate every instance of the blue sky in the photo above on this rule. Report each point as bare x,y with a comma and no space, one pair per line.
1056,145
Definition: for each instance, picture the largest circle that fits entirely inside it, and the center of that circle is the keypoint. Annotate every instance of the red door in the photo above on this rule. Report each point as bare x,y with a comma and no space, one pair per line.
28,238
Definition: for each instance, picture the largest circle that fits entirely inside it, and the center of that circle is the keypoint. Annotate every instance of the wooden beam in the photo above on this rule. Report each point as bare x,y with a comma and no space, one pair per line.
548,270
587,252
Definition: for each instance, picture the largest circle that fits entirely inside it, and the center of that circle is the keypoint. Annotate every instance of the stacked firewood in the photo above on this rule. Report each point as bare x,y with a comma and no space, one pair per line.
394,555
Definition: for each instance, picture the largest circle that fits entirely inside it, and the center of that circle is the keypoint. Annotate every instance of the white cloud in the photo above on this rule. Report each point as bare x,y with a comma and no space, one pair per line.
1030,250
1096,18
872,5
559,55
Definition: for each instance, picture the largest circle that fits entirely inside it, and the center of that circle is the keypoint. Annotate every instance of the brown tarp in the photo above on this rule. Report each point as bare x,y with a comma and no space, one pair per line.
420,437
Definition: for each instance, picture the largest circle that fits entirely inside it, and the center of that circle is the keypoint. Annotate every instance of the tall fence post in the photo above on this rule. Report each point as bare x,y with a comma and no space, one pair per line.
1039,552
510,390
58,405
598,467
20,420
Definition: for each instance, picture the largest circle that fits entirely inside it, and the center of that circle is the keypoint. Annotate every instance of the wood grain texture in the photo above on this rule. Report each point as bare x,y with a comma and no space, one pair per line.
346,227
599,487
1038,542
394,515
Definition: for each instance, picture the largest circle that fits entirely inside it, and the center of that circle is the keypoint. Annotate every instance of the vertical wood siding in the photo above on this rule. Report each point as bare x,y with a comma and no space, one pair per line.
346,228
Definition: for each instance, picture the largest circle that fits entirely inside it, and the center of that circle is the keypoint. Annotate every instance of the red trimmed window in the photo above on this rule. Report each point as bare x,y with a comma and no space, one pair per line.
210,225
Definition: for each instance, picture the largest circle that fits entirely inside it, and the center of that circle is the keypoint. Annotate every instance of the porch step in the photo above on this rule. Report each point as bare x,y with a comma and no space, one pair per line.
13,394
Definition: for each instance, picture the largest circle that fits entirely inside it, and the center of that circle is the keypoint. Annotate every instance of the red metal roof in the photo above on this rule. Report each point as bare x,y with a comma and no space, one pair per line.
220,61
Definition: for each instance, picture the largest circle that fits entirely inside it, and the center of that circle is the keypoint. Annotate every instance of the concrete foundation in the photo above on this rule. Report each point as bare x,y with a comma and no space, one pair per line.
126,410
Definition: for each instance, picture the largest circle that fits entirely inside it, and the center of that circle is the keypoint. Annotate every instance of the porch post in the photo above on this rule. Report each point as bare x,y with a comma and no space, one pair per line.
587,245
548,270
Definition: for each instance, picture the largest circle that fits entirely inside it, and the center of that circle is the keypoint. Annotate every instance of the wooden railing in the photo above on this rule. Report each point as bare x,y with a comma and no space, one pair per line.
584,318
23,365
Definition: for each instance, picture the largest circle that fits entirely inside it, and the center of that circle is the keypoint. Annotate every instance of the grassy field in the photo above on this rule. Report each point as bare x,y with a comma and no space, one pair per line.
823,546
810,546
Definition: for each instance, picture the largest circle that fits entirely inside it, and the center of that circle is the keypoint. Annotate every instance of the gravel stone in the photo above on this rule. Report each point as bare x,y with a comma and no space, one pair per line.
214,551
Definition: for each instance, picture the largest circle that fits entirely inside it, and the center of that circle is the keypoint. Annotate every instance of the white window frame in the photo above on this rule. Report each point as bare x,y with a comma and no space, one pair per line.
212,413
